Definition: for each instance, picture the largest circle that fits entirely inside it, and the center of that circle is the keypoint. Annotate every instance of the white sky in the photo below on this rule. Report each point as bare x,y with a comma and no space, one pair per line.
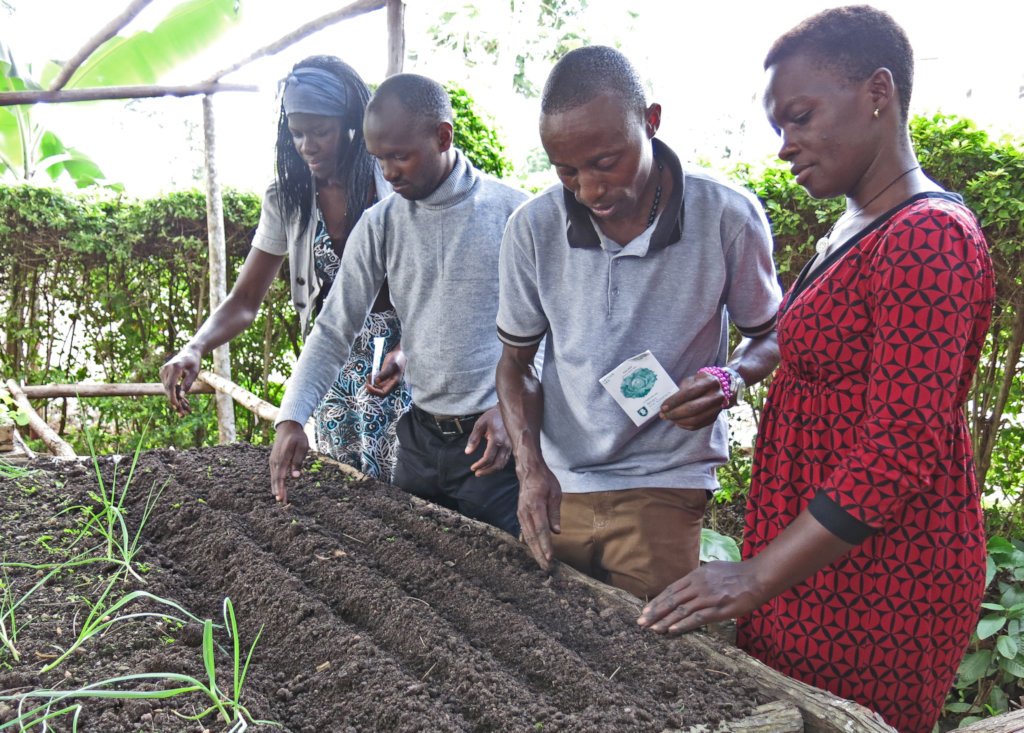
703,64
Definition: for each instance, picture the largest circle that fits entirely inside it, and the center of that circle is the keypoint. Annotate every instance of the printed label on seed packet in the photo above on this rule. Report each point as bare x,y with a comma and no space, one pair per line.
639,384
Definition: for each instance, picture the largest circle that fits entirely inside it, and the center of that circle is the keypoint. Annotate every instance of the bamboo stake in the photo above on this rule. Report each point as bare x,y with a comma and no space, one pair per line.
34,96
130,389
359,7
106,33
54,442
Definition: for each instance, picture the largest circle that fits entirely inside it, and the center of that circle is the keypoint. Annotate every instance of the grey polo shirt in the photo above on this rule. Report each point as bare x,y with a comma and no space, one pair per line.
672,290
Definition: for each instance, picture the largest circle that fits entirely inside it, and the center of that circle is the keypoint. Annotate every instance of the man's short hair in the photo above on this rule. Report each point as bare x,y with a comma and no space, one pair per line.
419,96
585,73
853,41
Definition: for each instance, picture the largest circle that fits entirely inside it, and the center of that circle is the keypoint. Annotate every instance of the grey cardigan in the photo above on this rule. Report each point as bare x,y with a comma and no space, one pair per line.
284,237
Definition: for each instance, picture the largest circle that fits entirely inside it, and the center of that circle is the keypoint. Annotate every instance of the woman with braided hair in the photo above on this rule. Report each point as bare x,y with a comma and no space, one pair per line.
324,181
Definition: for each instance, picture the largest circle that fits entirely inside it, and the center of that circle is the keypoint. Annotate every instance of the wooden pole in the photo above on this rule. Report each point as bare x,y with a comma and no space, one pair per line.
34,96
130,389
1009,722
57,445
396,36
106,33
254,404
242,396
218,270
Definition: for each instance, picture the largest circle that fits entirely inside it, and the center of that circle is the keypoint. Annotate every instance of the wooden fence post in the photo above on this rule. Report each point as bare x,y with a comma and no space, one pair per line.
396,36
218,270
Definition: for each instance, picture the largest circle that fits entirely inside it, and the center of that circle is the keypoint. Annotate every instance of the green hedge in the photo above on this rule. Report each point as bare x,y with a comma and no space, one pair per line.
111,287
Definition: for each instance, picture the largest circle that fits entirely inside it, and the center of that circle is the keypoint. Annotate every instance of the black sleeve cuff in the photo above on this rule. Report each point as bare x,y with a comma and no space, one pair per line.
763,330
520,342
838,521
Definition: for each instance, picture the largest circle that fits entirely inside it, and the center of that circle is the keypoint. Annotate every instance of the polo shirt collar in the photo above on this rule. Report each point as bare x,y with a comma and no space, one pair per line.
580,229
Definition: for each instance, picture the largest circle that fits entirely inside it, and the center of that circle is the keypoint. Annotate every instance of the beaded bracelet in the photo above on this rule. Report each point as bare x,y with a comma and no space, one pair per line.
723,379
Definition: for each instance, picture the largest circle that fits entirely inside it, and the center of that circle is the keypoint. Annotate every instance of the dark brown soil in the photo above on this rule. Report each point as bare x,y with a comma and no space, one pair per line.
378,613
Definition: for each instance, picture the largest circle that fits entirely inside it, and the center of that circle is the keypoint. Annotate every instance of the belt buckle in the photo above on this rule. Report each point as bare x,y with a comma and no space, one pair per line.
461,423
448,433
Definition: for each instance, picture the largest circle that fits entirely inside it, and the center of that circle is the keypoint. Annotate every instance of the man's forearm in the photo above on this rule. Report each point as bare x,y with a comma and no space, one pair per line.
522,402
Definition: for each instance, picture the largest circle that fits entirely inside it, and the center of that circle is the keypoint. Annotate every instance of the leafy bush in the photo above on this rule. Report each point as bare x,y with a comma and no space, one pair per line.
990,674
109,287
475,136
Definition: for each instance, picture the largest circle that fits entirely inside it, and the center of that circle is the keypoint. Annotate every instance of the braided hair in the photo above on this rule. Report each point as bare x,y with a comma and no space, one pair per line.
355,166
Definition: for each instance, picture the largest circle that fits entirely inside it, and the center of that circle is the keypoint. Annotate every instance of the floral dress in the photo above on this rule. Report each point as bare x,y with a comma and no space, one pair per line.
864,426
352,425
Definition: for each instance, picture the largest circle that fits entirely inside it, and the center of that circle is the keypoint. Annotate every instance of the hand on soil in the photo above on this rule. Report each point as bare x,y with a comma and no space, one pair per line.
540,500
286,457
496,455
697,403
713,592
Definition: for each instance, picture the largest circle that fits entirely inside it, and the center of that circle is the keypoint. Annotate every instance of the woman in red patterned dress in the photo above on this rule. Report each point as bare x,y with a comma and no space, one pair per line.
864,546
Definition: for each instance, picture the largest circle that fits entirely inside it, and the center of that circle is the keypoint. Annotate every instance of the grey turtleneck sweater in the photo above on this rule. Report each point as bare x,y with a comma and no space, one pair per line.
440,257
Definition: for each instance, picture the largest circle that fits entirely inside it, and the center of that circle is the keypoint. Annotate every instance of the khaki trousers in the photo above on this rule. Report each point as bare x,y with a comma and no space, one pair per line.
639,540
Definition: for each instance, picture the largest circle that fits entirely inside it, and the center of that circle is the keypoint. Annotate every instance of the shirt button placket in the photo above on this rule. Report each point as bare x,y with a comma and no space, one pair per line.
613,288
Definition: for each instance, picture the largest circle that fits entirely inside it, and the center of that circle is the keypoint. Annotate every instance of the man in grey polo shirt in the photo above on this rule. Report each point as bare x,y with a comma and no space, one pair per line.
437,244
631,253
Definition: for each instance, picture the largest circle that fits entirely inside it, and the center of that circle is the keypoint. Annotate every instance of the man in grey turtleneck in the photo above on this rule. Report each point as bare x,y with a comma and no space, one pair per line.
436,242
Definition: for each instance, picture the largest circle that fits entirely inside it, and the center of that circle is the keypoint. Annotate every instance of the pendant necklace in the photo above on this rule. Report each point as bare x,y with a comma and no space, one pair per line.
824,244
657,198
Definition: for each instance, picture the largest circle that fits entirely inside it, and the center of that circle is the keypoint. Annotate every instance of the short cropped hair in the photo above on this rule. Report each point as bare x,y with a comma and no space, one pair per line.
419,96
585,73
854,41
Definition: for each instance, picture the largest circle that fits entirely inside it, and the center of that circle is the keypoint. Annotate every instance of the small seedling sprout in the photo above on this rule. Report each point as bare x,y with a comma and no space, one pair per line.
8,606
101,616
229,708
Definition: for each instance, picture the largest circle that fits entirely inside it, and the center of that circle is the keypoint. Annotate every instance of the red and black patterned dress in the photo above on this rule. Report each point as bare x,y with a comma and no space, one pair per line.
864,427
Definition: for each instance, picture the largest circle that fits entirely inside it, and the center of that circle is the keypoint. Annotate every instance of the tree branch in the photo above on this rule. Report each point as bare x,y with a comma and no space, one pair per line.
57,445
35,96
359,7
106,33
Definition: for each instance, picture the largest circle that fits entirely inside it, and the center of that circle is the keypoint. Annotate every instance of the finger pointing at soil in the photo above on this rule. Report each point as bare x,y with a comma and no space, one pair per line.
286,457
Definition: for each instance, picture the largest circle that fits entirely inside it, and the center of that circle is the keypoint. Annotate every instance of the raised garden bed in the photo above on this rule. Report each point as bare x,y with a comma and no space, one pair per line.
378,613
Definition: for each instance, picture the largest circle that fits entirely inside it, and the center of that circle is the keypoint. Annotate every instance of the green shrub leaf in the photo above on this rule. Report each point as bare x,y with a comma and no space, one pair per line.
990,625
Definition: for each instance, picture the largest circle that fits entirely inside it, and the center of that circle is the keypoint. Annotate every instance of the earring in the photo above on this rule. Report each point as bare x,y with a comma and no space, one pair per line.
876,113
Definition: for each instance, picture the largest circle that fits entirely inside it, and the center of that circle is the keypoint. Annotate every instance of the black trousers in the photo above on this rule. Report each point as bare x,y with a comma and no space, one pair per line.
435,467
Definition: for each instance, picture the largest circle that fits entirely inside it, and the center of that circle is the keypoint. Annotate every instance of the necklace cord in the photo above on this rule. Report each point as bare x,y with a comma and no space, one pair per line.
824,243
657,198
